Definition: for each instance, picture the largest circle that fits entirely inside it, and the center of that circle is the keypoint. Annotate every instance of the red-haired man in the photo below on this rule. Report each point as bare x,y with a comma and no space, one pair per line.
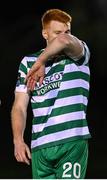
57,83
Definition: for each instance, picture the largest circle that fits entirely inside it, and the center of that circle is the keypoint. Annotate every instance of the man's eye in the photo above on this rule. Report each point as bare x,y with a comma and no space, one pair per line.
67,32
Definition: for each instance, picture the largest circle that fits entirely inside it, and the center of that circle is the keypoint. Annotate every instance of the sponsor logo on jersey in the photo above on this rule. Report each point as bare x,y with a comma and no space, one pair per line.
49,83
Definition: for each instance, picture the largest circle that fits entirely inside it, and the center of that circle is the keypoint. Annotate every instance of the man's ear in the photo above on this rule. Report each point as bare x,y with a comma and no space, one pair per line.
44,34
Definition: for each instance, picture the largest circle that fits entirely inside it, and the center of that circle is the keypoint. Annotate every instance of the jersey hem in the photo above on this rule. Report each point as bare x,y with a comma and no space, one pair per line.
60,142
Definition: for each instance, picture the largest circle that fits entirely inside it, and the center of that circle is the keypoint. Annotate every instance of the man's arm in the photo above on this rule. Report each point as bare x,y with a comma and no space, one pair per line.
18,121
66,43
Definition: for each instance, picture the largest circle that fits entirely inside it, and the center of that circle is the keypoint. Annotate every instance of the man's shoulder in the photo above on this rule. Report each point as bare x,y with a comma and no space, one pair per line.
30,59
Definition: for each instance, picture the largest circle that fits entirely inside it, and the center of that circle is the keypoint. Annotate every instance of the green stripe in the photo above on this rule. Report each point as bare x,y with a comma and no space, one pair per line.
22,80
23,68
62,94
76,75
59,67
60,60
39,120
46,103
68,109
30,63
55,69
60,111
73,92
60,127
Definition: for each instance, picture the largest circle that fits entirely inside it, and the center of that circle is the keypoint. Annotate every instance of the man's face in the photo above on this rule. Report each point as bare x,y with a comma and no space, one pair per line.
54,29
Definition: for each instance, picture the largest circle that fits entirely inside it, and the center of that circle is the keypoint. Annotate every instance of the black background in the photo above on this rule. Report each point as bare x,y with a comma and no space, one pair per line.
20,34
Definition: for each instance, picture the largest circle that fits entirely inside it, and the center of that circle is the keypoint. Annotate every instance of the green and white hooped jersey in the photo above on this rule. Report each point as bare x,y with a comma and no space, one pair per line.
59,104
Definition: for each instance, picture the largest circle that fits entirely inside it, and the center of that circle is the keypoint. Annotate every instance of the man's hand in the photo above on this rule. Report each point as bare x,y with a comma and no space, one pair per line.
36,74
22,152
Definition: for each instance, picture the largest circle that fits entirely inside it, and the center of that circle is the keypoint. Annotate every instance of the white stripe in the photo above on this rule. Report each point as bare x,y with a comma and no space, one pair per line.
73,68
65,118
87,57
30,59
22,74
24,61
58,120
47,69
60,103
42,111
76,83
21,88
51,94
60,136
70,100
84,69
37,128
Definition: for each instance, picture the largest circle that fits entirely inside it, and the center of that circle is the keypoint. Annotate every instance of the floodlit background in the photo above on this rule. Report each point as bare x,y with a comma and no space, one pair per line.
20,35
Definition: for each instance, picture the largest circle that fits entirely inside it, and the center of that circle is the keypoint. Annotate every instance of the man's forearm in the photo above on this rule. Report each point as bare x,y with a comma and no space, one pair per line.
18,124
74,49
52,49
69,44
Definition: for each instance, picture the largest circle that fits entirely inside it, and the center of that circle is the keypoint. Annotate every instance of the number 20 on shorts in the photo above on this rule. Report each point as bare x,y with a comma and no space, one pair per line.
76,170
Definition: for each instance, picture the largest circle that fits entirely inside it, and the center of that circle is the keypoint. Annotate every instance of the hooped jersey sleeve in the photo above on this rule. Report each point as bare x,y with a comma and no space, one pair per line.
22,72
86,55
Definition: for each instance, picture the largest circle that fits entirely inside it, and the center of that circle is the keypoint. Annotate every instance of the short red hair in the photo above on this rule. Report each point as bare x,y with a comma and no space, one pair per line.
56,15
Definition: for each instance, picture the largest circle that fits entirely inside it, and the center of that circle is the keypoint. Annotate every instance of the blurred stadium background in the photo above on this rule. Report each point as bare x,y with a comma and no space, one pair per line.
20,34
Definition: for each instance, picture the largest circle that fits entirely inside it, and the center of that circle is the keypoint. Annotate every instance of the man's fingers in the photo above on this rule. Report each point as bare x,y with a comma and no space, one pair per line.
23,157
17,158
22,153
29,74
41,80
31,71
31,83
26,155
28,152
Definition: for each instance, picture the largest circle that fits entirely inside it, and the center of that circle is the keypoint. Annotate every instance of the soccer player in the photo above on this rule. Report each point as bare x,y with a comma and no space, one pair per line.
57,83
